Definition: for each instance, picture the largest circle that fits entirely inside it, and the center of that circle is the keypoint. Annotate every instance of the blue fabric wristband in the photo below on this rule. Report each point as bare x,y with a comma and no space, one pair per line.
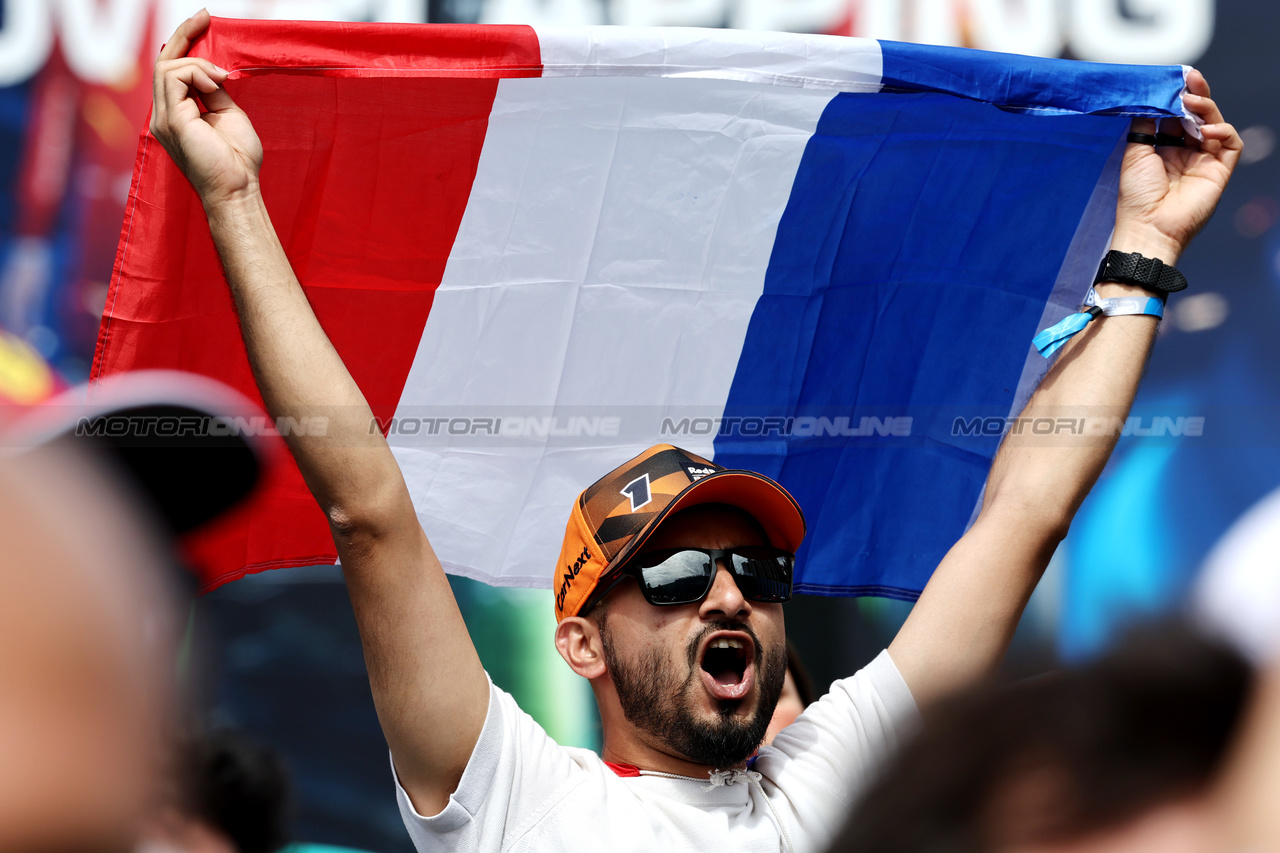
1051,339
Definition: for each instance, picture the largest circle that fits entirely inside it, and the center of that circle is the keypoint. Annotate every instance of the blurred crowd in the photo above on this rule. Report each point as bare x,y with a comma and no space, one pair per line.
1169,742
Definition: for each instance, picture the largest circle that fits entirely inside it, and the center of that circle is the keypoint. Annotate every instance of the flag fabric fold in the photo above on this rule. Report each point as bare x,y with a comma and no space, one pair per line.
540,251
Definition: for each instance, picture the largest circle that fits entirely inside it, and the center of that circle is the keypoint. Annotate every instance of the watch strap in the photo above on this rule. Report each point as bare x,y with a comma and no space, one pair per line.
1148,273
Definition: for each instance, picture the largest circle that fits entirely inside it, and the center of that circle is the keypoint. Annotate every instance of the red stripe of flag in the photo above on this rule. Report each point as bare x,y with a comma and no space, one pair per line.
372,135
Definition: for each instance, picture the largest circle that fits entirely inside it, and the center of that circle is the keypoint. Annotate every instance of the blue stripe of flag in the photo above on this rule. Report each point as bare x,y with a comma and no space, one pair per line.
1032,83
922,238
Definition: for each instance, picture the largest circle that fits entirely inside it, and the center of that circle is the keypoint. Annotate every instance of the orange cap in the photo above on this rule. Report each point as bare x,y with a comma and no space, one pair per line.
614,516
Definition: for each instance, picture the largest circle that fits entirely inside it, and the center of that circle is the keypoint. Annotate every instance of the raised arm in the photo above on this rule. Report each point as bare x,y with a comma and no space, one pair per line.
962,624
428,685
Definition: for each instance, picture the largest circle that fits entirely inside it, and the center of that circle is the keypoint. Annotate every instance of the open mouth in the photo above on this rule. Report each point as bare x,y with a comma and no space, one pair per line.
726,665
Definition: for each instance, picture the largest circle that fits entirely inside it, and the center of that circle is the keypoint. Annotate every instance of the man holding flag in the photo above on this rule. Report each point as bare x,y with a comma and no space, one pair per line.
670,583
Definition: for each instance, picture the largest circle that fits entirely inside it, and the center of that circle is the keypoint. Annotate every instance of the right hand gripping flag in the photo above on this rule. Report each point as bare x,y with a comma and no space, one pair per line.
540,251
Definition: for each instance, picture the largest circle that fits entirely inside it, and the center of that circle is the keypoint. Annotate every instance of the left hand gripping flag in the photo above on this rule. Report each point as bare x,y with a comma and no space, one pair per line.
540,251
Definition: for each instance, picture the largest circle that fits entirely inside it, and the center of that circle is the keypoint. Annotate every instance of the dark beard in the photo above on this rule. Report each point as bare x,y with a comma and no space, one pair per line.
655,703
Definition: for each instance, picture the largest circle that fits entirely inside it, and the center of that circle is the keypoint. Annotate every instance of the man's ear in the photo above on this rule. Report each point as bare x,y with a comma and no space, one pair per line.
578,641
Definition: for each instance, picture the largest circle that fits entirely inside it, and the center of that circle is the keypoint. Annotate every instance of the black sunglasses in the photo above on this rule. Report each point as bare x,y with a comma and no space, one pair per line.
685,575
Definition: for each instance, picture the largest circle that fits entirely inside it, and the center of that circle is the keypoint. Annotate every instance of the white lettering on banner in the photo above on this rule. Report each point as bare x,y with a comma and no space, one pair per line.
311,10
174,12
103,38
25,40
1159,31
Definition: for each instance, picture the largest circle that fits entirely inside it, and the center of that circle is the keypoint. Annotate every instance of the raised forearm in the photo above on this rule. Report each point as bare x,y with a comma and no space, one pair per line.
1166,196
962,624
297,369
1087,393
413,634
966,616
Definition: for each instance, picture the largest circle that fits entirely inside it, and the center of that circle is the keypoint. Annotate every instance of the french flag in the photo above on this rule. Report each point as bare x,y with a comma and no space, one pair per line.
541,251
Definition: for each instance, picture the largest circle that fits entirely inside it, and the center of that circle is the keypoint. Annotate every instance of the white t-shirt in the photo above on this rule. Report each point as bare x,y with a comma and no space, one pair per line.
521,791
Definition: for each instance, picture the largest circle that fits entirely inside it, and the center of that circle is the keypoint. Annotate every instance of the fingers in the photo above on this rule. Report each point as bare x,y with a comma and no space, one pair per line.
1145,126
1224,133
187,32
1203,107
1224,143
1220,138
200,74
1196,84
179,84
178,76
217,100
177,81
1197,100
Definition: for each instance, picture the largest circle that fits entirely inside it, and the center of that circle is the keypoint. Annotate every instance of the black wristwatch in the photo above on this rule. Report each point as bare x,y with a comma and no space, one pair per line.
1149,273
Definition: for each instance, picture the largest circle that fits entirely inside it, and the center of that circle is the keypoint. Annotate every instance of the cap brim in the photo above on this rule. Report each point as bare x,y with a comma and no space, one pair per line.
189,474
755,494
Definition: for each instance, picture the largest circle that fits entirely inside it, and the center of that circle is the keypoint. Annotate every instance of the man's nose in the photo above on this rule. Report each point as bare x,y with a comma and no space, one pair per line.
725,598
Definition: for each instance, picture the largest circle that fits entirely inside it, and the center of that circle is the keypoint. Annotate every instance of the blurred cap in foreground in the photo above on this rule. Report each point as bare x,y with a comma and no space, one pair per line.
95,481
172,436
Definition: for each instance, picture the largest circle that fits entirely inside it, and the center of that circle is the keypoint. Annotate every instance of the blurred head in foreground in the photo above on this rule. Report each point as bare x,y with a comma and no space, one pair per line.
1117,755
232,797
87,638
94,488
